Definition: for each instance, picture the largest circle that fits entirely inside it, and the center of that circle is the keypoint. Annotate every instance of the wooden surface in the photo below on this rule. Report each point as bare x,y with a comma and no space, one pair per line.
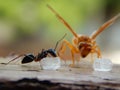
84,75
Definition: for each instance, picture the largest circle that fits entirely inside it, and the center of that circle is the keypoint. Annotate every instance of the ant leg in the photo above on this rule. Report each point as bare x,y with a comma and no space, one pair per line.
14,59
72,48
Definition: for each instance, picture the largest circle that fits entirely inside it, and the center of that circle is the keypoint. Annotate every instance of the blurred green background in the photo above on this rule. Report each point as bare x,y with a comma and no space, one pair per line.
28,25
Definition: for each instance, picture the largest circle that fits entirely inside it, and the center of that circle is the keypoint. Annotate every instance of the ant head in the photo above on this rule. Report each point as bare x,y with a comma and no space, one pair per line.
52,52
28,58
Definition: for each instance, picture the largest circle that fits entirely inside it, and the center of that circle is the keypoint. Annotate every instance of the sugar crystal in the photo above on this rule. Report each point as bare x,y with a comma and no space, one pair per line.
50,63
102,64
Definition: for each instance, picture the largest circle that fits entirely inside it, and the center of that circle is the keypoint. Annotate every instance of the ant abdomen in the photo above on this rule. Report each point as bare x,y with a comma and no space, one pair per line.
28,58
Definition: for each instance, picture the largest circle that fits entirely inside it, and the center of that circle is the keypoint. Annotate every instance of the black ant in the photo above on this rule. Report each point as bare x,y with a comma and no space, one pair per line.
44,53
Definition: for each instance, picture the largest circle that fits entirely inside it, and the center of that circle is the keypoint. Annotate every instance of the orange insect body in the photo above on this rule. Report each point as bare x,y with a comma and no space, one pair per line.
82,44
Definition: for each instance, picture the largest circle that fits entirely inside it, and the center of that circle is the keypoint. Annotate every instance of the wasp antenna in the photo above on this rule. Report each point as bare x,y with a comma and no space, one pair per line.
104,26
59,41
62,20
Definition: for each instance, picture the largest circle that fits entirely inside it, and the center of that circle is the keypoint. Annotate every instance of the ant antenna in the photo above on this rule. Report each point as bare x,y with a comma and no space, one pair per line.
59,41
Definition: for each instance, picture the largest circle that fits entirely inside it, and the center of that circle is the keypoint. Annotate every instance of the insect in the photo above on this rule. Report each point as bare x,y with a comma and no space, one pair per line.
44,53
82,44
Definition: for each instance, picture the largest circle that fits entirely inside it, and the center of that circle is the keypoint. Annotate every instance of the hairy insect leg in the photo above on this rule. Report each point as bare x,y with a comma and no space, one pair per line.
73,59
72,49
14,59
96,50
61,51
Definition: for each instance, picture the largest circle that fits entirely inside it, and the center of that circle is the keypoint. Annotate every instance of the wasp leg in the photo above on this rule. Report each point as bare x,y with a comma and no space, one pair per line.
96,50
71,47
92,59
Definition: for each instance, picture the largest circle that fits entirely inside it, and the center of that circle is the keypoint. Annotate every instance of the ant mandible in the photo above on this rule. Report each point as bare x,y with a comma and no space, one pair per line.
82,44
44,53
